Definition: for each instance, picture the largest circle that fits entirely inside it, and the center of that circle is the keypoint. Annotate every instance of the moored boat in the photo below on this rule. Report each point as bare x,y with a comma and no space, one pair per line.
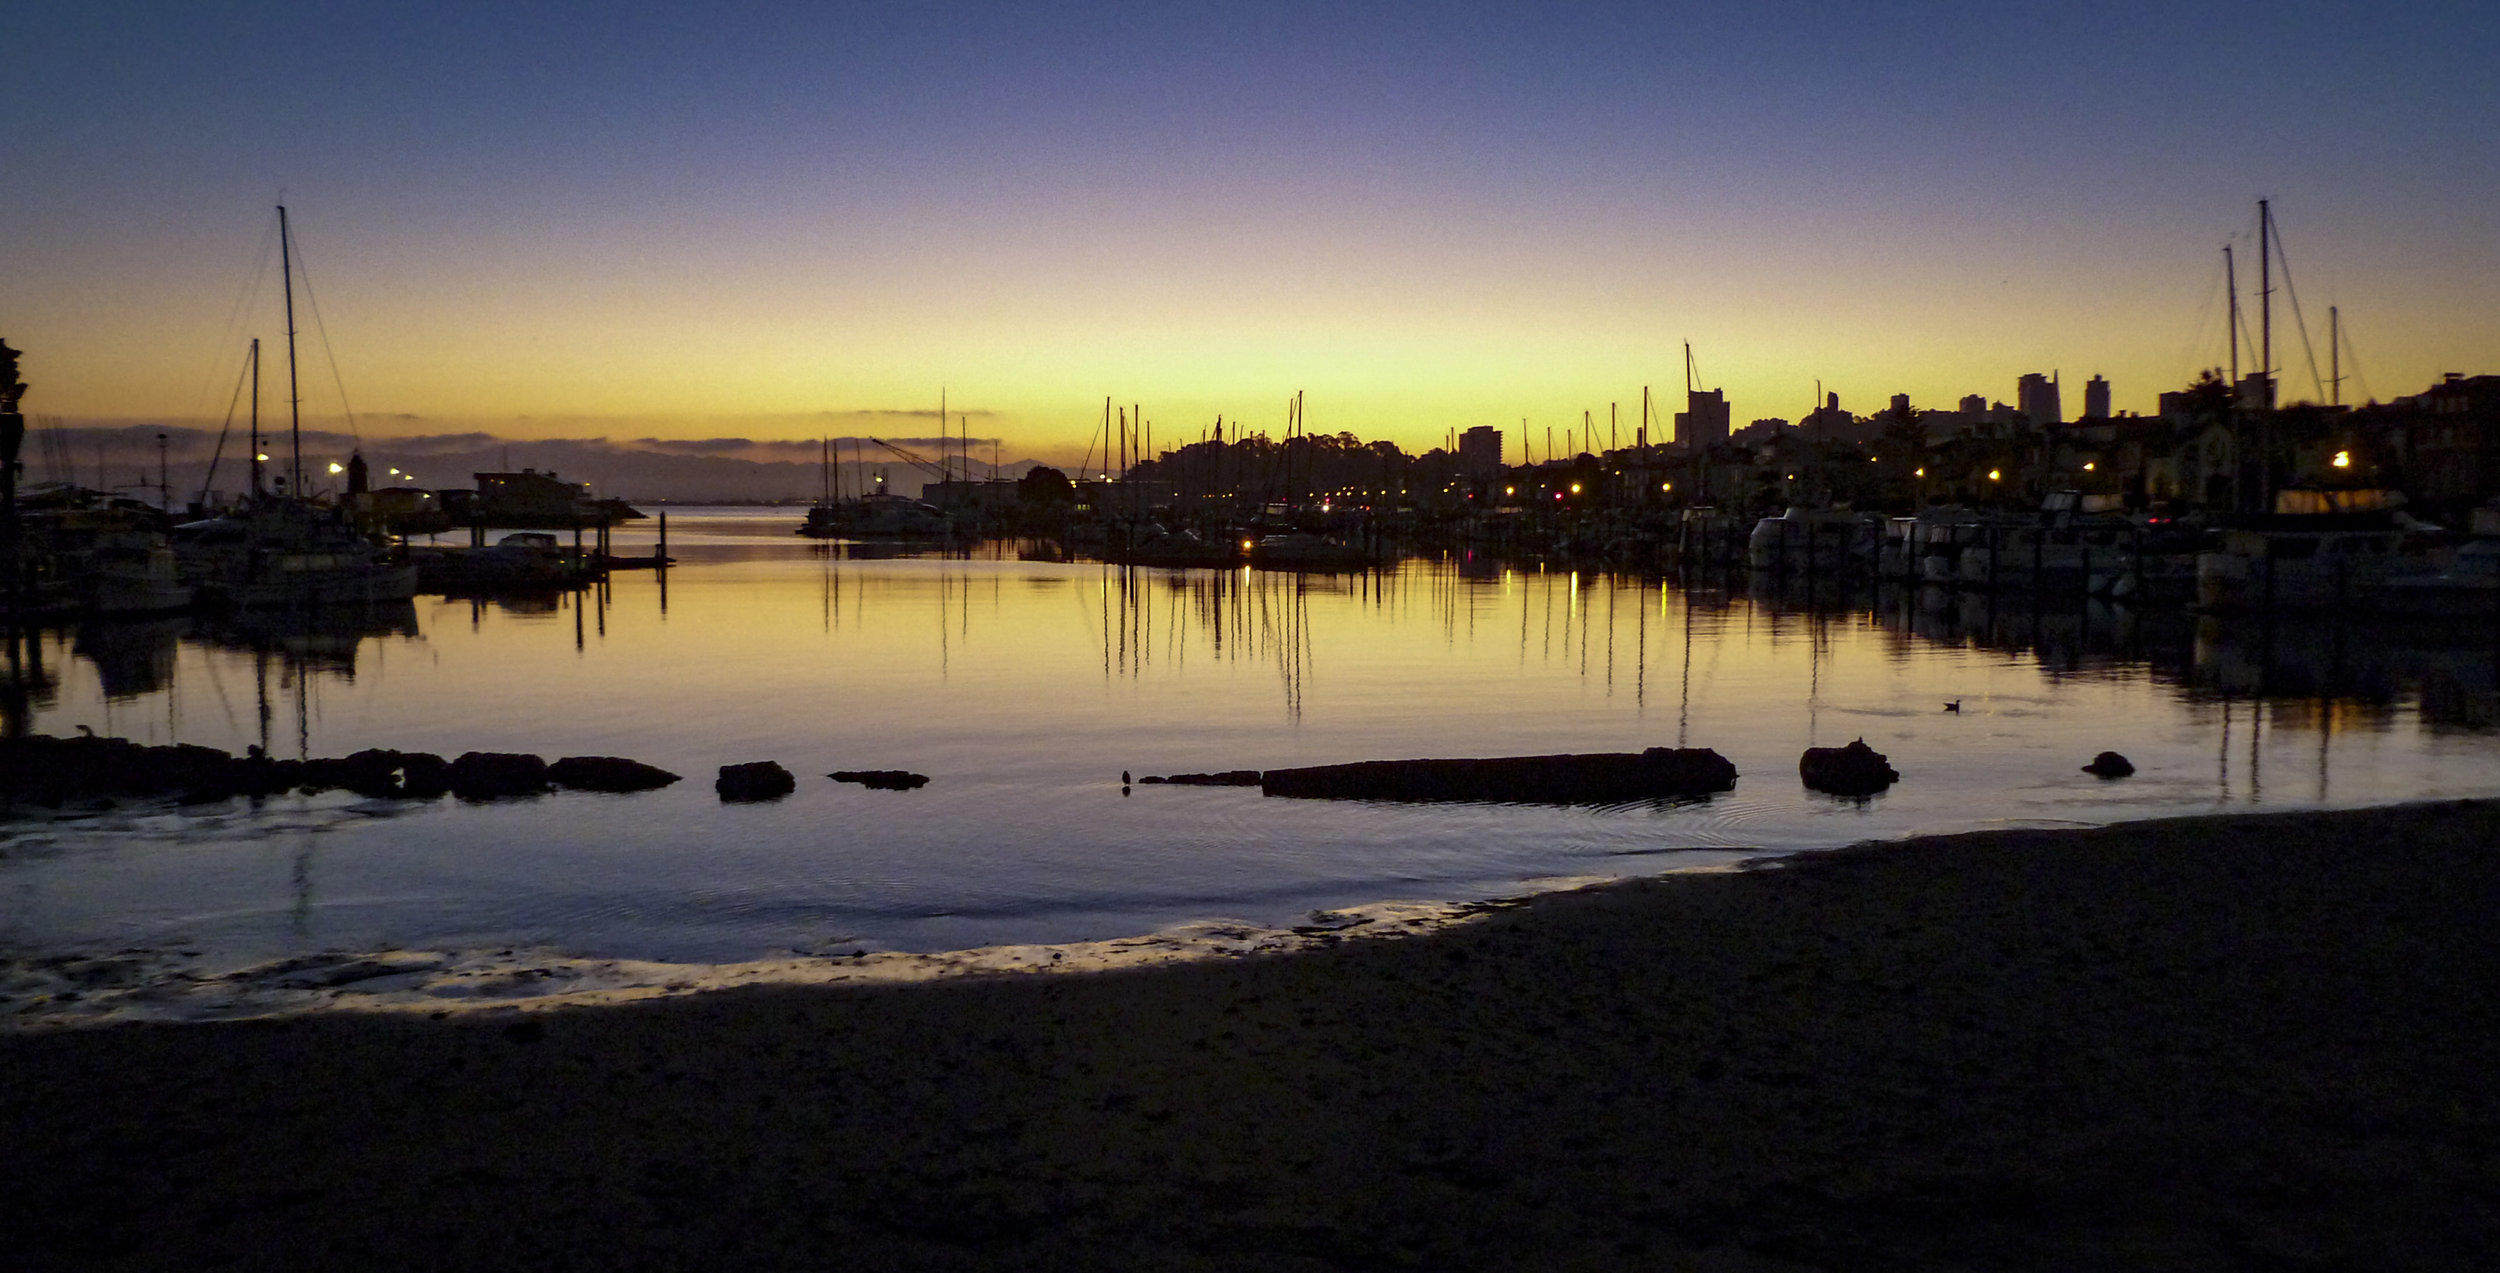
2304,561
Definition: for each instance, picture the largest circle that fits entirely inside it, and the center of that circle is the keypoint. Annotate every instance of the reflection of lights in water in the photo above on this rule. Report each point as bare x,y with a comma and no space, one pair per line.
1239,668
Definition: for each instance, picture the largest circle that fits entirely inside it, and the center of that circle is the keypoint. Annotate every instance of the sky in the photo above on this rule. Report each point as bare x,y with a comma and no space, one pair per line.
780,221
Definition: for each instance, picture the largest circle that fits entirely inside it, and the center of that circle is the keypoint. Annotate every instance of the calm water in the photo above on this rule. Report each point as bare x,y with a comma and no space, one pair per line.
1025,688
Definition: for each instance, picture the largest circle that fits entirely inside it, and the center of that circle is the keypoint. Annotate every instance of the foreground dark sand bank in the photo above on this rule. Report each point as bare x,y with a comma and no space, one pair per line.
2262,1042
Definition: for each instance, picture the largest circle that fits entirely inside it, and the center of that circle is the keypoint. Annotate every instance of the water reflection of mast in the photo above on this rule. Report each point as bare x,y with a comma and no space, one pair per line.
260,681
2326,734
1640,657
1684,699
2222,772
303,709
2256,740
1293,656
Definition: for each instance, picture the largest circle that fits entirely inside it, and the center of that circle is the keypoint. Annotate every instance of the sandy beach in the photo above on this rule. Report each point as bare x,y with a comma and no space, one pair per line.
2263,1042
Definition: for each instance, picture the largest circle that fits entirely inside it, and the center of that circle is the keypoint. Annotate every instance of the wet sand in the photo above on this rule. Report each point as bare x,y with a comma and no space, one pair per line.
2263,1042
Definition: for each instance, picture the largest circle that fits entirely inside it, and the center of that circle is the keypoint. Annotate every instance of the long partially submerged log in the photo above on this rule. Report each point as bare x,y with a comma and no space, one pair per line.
1594,778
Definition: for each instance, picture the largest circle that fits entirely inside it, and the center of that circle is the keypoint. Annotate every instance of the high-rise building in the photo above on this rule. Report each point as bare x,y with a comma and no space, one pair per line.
2035,396
2096,399
1480,451
1703,421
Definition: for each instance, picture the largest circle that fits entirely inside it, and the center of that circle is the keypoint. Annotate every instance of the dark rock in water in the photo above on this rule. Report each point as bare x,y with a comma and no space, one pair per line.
607,773
1228,778
1854,770
881,779
423,775
488,775
373,773
50,771
1594,778
2110,764
258,775
757,780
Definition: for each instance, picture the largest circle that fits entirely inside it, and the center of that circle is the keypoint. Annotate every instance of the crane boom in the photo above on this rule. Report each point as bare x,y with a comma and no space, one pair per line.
922,462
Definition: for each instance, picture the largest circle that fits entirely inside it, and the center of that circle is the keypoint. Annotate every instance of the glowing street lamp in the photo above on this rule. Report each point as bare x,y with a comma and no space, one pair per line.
1993,475
2343,459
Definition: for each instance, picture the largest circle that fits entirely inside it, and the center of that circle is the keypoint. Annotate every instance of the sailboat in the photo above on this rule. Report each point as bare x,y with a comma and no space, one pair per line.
287,549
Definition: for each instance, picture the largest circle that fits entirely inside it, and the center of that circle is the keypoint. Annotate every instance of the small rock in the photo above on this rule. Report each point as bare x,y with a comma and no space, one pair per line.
487,775
423,775
757,780
1854,770
2110,764
881,779
607,773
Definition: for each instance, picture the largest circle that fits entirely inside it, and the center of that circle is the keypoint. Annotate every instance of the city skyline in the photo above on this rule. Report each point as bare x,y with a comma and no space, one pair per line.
578,223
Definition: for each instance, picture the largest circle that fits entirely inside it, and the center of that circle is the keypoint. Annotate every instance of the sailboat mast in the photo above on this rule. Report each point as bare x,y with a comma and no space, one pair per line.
2334,358
256,452
294,399
2231,284
2265,298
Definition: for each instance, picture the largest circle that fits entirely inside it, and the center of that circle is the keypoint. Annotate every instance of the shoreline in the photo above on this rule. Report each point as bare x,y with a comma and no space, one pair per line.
2256,1040
172,984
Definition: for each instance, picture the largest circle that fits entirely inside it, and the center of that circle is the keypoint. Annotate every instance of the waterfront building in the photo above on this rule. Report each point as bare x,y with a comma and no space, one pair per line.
1703,423
2036,396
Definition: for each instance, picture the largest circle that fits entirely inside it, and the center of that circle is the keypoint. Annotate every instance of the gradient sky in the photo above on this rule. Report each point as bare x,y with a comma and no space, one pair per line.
644,220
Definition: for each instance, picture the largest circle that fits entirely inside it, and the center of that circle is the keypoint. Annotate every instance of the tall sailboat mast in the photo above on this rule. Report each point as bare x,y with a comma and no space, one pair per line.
2231,284
294,399
2265,299
2334,358
256,451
